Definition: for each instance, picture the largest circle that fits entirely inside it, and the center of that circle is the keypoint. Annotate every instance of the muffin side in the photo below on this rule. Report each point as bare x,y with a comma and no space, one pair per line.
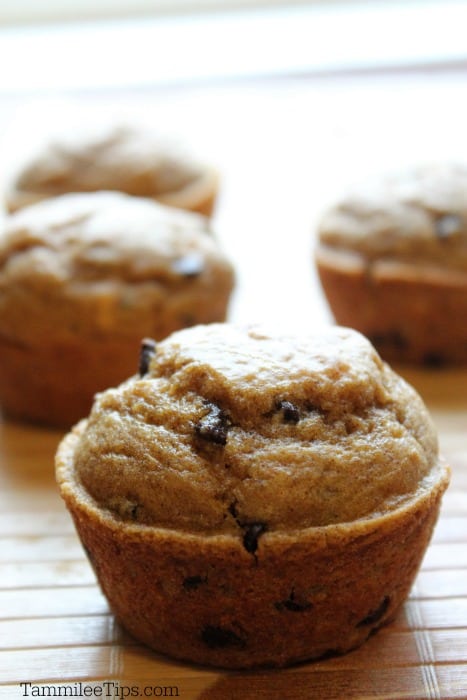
295,598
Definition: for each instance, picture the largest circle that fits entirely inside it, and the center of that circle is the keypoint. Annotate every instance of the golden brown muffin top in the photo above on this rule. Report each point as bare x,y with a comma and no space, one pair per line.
110,253
230,429
417,216
120,157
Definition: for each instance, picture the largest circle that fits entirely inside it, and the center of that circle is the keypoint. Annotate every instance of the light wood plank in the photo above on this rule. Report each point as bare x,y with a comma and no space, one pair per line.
452,681
40,574
450,529
61,664
52,602
446,555
40,548
60,632
46,522
440,583
443,613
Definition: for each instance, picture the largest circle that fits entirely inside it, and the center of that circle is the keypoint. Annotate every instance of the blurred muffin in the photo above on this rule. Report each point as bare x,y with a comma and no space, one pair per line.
83,278
392,259
125,158
255,499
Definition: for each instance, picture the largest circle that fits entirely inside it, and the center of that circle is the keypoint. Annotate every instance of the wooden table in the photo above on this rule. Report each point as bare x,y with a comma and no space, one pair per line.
284,148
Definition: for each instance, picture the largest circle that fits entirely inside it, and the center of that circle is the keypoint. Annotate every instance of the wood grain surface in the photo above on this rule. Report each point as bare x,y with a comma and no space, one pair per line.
284,149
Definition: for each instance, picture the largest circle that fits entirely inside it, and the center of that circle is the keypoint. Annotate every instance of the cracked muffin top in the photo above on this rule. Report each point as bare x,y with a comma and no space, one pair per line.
123,157
417,216
229,429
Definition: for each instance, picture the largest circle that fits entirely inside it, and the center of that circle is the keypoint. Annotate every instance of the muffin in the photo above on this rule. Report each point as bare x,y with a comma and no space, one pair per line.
254,499
392,259
130,159
83,278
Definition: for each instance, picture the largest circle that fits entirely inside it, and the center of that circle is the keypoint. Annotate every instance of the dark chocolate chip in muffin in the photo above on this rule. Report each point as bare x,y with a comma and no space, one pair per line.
392,339
293,604
375,615
233,510
146,353
251,536
434,360
188,266
221,637
214,426
448,225
290,412
252,531
134,511
187,319
191,583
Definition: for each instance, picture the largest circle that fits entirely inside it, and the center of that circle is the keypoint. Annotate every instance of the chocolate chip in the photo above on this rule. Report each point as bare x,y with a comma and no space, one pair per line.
221,638
191,265
375,615
448,225
214,426
293,605
134,512
391,339
186,319
314,408
252,533
435,360
146,353
233,510
290,412
191,583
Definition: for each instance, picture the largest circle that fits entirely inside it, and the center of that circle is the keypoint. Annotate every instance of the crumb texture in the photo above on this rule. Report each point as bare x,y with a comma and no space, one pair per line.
233,429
